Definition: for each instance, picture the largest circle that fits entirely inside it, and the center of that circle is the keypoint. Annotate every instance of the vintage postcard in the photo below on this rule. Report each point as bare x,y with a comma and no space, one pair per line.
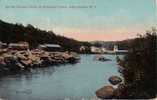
78,49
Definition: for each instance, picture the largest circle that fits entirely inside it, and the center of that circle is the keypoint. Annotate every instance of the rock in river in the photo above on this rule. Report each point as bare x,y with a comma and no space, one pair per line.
120,91
114,80
105,92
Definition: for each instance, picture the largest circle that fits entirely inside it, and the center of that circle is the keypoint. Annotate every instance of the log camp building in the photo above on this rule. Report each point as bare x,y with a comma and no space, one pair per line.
3,45
18,46
50,47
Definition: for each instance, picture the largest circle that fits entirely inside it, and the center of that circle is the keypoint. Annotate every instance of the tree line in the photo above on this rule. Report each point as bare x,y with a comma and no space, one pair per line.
139,67
34,36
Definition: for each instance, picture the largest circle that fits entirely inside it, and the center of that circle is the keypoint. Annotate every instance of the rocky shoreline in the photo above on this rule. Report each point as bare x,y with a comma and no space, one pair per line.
113,91
15,61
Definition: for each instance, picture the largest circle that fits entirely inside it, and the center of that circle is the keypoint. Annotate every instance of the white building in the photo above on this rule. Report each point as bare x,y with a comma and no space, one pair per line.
3,45
82,48
50,47
96,49
103,49
19,46
116,50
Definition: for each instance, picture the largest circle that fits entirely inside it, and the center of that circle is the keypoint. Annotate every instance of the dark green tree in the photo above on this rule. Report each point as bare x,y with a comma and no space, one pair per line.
139,67
17,32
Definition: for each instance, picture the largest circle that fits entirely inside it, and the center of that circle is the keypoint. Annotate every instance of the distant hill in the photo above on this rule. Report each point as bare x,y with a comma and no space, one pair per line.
17,32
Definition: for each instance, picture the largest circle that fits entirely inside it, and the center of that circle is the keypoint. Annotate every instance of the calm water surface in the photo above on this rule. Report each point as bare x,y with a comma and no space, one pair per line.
63,82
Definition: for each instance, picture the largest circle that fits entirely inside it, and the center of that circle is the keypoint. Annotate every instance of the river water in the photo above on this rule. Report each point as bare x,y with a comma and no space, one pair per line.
64,82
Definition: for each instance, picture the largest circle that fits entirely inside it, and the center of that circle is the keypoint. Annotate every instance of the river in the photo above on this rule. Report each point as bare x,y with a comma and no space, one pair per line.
64,82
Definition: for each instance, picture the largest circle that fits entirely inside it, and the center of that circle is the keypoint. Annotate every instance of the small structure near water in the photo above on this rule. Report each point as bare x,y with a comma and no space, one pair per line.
18,57
18,46
50,47
3,45
82,48
103,50
96,50
116,50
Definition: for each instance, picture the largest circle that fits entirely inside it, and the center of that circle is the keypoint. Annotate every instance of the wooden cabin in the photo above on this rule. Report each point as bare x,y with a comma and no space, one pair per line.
117,50
3,45
51,47
96,49
82,48
18,46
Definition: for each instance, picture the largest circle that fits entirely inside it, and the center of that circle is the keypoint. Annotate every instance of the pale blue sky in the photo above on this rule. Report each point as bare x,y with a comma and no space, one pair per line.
122,18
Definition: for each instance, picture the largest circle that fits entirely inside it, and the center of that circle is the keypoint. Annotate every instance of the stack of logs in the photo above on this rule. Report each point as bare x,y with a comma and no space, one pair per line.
22,60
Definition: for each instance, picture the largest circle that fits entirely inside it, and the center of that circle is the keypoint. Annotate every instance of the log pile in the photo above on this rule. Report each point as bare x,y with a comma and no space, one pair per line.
22,60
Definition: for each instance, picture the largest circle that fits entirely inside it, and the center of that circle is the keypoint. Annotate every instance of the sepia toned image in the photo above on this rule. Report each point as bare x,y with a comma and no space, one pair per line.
78,49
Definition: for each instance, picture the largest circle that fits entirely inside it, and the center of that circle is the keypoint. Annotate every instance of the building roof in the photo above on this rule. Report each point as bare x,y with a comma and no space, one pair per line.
42,46
1,43
122,51
51,45
19,44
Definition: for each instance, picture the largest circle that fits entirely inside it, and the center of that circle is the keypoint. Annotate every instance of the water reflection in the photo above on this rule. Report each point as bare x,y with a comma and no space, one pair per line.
76,81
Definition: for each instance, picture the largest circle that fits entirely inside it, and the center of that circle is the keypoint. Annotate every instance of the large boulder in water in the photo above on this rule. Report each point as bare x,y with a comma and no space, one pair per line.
120,91
101,58
114,80
105,92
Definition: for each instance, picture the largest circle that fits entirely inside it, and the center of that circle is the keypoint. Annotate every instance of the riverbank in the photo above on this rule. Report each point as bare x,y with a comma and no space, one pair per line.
14,61
112,91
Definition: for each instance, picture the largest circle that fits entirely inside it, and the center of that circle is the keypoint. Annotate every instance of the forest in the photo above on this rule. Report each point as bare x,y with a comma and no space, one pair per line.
139,69
11,33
